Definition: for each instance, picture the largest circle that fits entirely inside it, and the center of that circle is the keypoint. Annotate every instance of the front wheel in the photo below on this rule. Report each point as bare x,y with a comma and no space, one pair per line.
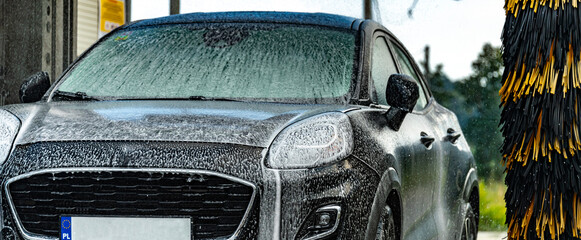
386,225
469,225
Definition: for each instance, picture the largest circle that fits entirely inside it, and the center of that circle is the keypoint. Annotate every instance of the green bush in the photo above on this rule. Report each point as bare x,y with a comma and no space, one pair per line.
492,206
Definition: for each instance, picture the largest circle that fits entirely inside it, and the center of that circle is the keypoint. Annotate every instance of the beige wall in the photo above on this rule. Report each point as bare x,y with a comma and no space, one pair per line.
87,24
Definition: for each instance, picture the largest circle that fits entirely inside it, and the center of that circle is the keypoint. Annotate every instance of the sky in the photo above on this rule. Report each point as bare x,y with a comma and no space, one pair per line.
454,30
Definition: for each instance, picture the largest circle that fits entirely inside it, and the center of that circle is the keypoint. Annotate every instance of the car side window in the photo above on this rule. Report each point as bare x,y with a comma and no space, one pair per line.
407,68
382,66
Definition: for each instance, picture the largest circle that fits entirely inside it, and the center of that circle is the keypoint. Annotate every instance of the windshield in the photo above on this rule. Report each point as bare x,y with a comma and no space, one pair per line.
283,63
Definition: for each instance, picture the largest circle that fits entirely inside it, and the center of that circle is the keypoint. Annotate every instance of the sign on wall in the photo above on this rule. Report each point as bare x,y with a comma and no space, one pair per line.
111,15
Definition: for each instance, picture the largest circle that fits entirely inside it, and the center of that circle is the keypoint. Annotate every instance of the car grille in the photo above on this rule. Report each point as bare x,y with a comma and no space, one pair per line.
216,204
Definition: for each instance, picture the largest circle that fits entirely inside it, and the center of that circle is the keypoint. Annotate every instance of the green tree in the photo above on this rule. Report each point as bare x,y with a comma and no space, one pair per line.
481,104
445,92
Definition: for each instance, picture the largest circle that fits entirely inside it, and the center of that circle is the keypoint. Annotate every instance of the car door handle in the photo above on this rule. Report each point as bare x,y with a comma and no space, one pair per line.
426,139
452,136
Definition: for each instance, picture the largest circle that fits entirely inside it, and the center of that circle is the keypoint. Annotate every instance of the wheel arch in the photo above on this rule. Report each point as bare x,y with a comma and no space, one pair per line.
470,184
394,199
388,191
471,194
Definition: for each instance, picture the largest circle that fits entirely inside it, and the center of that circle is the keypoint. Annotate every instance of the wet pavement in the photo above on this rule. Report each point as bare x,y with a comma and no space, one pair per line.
491,235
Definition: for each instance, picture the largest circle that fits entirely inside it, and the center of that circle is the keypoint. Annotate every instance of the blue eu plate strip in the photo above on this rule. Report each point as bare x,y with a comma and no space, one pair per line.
66,228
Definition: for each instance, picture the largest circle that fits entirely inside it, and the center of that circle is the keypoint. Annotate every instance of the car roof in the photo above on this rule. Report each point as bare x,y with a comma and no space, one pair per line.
321,19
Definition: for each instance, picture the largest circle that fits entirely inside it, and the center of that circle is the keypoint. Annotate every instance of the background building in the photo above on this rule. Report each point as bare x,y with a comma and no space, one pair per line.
45,35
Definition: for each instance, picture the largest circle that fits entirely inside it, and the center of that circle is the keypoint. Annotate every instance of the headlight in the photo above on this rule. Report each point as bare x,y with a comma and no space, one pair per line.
312,142
9,125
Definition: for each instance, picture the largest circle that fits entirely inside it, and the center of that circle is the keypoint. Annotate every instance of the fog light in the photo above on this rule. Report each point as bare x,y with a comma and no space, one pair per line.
324,220
321,223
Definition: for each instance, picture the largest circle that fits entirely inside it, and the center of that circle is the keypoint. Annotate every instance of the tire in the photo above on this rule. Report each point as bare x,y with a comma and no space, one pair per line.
469,225
386,225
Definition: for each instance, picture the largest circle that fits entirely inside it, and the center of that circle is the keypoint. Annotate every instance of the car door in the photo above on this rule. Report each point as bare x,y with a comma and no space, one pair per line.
454,162
415,143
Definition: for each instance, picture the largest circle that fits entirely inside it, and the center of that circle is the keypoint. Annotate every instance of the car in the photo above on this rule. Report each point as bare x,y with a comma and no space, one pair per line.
237,125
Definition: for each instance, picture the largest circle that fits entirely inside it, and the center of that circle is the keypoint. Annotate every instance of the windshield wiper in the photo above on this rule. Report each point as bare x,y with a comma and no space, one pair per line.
202,98
78,96
195,98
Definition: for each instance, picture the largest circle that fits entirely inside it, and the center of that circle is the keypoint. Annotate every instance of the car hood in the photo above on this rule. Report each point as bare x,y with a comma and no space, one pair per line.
253,124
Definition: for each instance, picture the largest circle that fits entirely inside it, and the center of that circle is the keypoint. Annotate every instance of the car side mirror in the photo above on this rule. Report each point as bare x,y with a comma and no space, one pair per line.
34,87
401,94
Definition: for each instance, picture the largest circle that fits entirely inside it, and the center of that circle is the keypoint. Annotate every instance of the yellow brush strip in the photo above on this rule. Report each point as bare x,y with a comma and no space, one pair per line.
516,229
512,6
576,214
538,147
541,81
542,148
553,223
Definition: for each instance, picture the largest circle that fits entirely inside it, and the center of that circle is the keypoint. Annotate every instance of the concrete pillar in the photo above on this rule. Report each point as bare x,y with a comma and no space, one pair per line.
371,10
58,45
22,38
127,11
3,91
34,36
174,7
367,9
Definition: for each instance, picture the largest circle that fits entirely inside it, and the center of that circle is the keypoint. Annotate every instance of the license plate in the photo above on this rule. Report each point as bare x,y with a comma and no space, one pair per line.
126,228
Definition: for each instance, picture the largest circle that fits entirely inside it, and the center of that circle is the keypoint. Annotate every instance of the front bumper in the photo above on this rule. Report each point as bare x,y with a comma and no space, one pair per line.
349,184
283,202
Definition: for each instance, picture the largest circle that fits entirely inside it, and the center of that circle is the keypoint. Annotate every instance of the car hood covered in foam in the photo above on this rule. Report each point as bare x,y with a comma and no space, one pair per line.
253,124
